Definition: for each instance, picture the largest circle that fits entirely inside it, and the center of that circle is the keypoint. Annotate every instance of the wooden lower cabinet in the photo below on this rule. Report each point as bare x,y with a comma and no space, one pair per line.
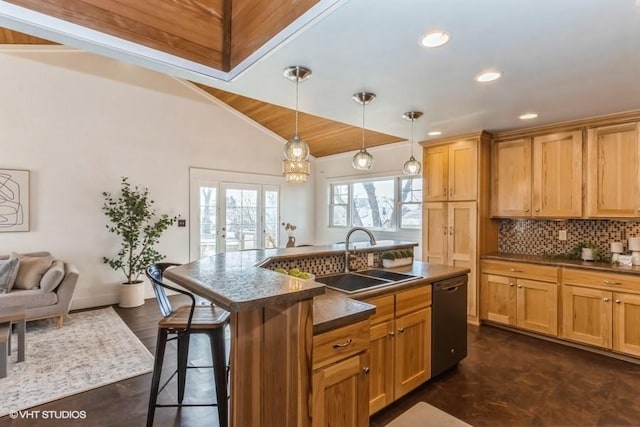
602,318
400,349
340,379
523,303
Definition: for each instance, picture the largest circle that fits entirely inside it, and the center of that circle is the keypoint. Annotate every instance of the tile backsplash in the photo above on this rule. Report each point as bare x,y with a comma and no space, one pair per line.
540,237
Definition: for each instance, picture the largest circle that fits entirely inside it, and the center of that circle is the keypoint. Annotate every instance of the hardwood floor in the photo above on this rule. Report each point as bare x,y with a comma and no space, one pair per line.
508,379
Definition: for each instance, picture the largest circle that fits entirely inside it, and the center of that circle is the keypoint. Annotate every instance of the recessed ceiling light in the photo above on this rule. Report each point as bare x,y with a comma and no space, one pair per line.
434,39
435,133
488,76
528,116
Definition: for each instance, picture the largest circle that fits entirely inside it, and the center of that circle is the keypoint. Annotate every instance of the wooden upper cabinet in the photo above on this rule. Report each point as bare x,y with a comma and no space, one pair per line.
511,178
613,179
450,172
538,177
557,175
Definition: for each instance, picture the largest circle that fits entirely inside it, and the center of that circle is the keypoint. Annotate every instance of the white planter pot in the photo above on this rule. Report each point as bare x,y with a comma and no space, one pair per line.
587,254
398,262
131,295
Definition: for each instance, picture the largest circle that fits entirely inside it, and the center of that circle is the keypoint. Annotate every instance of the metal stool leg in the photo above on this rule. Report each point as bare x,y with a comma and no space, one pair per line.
161,343
219,356
183,360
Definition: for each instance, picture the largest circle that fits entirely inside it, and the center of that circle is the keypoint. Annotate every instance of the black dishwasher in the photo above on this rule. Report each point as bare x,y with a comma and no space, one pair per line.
448,324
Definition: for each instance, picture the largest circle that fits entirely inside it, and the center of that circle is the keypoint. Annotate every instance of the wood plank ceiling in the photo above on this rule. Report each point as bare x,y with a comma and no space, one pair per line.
216,33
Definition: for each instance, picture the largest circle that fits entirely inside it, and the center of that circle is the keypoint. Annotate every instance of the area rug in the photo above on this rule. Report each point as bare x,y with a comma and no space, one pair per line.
92,349
424,415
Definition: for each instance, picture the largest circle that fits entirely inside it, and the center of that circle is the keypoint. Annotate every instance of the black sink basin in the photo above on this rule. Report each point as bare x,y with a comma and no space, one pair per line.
350,282
357,281
387,275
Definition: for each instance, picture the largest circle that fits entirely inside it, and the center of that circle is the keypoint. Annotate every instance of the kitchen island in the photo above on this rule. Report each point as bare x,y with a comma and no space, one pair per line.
272,325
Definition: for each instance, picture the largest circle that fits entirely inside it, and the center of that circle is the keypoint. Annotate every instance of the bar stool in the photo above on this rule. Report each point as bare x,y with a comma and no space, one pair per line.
181,323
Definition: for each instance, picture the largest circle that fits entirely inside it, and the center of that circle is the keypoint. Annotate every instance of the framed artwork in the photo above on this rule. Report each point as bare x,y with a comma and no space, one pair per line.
14,200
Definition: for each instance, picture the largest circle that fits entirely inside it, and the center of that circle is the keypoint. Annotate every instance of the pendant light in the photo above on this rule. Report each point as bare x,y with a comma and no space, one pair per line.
412,166
296,166
363,160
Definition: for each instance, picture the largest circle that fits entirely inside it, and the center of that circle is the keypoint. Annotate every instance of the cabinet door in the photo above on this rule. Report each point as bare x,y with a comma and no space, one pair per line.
461,245
626,318
463,167
413,351
381,363
498,299
341,393
511,178
613,180
557,175
434,233
586,315
537,306
435,173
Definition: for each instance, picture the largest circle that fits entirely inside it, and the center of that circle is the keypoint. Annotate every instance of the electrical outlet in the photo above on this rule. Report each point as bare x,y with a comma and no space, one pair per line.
369,260
562,235
182,223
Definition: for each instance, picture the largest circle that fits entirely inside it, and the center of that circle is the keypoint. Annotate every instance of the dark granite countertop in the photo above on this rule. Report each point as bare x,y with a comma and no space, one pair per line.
333,310
564,262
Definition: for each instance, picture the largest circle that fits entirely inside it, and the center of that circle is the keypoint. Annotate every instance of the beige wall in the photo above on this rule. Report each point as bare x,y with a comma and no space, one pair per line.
79,122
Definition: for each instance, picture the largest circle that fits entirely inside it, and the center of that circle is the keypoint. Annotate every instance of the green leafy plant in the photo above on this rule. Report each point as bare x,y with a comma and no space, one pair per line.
576,251
396,254
133,218
388,255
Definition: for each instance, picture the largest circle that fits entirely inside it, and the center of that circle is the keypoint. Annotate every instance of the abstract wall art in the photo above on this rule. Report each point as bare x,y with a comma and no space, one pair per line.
14,200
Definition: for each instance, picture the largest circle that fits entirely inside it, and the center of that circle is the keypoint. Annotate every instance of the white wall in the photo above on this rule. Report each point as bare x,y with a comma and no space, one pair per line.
79,122
388,161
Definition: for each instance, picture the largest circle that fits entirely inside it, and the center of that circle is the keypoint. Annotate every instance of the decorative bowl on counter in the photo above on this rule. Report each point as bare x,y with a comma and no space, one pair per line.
396,258
294,272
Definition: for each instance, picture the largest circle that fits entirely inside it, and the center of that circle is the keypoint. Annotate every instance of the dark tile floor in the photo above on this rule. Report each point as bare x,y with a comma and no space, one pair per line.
508,379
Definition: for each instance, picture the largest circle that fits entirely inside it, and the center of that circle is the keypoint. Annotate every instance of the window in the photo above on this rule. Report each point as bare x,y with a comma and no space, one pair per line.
410,203
382,204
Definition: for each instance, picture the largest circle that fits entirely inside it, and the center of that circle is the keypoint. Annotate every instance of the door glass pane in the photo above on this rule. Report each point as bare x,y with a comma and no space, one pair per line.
208,220
270,219
410,199
241,219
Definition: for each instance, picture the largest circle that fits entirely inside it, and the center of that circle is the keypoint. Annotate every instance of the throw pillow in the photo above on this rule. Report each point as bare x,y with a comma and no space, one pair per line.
8,272
53,277
31,271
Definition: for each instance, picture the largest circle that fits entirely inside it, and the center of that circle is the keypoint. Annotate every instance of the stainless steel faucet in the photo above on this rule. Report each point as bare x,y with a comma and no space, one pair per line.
347,255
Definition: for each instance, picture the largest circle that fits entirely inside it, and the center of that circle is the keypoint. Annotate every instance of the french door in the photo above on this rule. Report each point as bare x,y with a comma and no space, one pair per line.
227,217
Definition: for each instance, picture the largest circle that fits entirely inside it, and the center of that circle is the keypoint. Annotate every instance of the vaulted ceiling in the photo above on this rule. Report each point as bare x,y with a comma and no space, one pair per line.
565,60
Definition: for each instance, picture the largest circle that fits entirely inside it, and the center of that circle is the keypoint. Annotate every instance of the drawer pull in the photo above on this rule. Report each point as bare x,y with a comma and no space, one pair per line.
511,285
343,345
618,301
611,282
366,369
520,286
606,299
391,333
401,330
515,270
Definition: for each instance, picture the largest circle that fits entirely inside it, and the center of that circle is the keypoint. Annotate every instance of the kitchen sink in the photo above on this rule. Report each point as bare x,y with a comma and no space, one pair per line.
357,281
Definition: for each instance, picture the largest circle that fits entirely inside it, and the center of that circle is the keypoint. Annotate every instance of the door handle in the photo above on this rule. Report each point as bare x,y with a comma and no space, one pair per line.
451,230
343,345
366,369
444,229
401,330
606,299
618,301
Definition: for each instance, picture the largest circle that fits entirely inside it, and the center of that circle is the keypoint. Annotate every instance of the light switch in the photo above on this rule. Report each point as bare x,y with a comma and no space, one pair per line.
562,235
369,260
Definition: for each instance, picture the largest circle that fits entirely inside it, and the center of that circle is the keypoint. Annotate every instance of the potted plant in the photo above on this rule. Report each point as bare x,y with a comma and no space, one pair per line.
132,217
586,252
396,258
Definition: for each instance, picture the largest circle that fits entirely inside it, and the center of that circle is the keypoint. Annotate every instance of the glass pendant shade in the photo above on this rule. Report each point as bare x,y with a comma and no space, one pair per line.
412,166
296,167
296,171
362,160
296,149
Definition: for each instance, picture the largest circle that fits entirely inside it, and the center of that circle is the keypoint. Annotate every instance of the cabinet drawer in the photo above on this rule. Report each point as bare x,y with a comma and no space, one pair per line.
601,280
384,308
413,299
521,270
338,344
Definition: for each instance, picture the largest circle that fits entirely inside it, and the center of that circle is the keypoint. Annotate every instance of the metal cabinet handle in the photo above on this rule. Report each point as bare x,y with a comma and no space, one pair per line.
401,330
606,299
451,192
515,270
519,286
618,301
537,209
511,285
366,369
444,229
391,333
451,230
343,345
526,209
611,282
